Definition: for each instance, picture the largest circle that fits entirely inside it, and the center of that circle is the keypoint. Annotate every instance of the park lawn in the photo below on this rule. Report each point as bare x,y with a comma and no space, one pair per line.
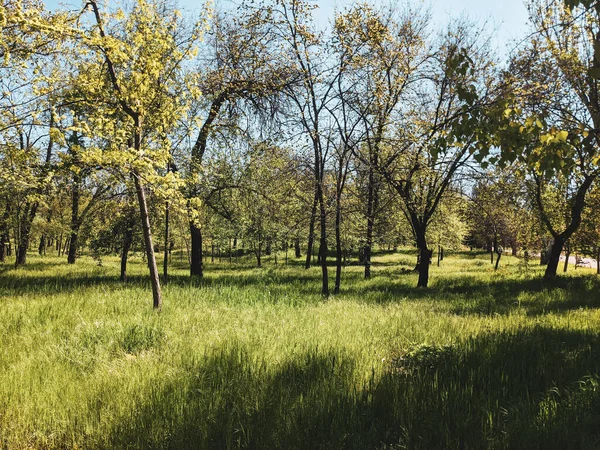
256,358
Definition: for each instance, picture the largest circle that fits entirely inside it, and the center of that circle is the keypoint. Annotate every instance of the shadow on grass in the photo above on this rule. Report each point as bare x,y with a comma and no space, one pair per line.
536,296
536,388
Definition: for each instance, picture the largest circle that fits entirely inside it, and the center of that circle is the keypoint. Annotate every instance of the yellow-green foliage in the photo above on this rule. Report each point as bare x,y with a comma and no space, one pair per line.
249,358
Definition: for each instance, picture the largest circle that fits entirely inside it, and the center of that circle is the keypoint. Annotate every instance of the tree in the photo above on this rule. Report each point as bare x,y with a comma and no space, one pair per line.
383,50
437,136
240,67
139,64
309,100
552,123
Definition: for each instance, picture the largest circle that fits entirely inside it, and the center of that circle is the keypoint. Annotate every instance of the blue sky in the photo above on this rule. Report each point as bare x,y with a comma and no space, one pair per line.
507,17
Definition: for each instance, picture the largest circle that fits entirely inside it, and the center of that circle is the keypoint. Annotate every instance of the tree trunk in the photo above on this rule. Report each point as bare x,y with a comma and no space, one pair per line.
424,257
196,251
598,260
297,247
66,246
73,243
499,255
75,222
424,261
42,246
311,231
258,253
2,247
371,200
24,233
545,253
154,277
323,242
268,247
554,258
166,253
338,245
4,238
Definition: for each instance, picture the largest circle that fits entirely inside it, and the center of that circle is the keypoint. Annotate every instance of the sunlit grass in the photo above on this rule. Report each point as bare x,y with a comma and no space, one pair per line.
255,358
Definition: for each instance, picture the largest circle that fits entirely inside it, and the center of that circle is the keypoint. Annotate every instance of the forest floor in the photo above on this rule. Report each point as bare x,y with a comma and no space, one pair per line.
256,358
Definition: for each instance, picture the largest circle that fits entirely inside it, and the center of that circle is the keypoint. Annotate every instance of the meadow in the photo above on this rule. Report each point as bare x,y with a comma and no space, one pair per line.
256,358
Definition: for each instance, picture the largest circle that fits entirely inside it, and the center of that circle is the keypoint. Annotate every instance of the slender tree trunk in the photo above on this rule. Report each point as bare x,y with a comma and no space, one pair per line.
4,237
166,253
311,230
323,243
298,253
268,247
258,253
598,260
498,256
66,246
371,208
75,221
555,252
42,246
154,277
338,244
26,221
3,247
73,244
424,258
196,250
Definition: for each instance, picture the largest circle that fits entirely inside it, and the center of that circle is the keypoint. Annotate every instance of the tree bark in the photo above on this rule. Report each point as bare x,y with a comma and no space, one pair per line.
323,243
297,251
424,258
24,233
554,258
154,277
4,238
196,251
75,222
166,252
311,230
42,246
338,244
372,205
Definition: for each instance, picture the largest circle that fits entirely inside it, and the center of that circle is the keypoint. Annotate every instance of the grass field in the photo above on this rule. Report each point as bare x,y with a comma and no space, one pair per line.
255,358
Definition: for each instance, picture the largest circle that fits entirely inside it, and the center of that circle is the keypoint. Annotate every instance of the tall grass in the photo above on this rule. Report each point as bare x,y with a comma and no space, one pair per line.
250,358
